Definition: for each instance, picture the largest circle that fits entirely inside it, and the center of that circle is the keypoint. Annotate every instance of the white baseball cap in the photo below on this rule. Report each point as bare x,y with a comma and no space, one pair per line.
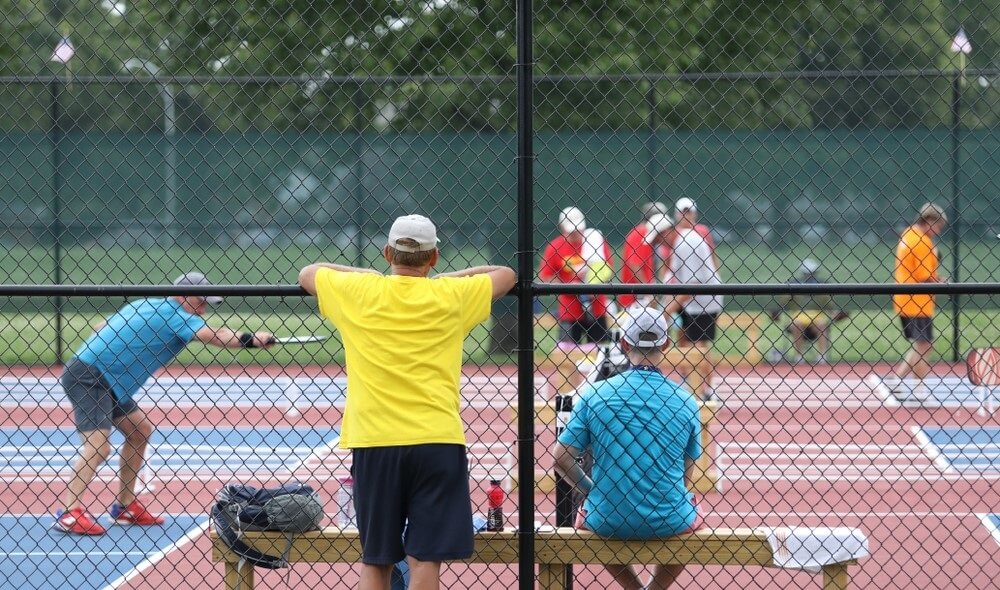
685,204
196,278
656,225
645,328
571,219
413,227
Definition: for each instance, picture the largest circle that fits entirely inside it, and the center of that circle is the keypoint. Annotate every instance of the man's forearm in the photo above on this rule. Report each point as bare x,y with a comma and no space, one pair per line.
468,272
567,465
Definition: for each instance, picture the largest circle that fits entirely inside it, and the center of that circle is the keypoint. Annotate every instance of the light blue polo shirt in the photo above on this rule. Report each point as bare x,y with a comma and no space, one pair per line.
137,340
640,427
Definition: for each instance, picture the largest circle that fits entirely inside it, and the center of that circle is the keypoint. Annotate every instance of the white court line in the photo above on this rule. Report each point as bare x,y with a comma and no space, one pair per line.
878,386
317,454
991,527
31,554
733,403
878,514
932,450
157,556
808,448
809,427
930,477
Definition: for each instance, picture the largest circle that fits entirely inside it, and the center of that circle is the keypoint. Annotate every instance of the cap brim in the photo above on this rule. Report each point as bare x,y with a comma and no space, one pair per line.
213,300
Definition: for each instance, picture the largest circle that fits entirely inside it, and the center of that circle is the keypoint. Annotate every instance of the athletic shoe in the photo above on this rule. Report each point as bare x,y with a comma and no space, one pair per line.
77,522
134,513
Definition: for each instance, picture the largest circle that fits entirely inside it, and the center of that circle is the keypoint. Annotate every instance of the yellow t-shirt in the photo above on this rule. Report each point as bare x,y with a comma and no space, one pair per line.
916,262
403,339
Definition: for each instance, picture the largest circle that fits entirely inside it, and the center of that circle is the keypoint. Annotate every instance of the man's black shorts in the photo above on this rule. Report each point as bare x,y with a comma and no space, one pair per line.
427,485
918,329
699,327
586,329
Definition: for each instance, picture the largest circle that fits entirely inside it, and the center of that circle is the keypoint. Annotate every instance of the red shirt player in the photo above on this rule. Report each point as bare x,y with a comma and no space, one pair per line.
580,318
643,254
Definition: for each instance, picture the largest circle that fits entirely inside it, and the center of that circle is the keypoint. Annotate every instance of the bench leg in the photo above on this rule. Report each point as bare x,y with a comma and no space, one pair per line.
835,577
551,576
239,575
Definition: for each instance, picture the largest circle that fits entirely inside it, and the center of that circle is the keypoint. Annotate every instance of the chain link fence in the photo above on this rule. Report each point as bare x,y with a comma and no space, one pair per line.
751,344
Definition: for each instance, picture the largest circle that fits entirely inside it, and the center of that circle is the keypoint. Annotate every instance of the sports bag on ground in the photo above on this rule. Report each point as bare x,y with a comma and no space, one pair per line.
291,508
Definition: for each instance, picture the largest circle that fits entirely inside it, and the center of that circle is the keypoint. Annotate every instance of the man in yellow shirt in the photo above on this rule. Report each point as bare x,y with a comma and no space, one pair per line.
917,262
403,335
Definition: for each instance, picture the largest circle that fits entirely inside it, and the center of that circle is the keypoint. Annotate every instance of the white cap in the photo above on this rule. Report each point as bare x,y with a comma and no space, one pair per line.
685,204
196,278
809,267
413,227
656,225
571,219
645,328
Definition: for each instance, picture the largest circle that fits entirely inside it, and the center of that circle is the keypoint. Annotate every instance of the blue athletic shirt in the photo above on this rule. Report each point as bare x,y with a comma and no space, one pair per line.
641,427
137,340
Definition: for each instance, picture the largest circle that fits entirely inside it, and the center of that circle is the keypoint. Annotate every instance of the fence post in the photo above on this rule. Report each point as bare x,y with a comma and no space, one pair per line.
652,194
358,147
525,320
55,137
956,229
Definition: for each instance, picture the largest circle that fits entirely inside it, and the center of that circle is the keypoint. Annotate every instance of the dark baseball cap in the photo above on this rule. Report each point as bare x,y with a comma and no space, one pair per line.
196,278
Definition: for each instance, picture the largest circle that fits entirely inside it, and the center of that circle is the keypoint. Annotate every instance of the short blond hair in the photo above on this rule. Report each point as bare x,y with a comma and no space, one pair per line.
932,213
410,259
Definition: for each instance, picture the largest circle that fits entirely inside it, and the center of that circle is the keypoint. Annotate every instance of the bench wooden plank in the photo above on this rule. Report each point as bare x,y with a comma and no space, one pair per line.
563,545
553,550
836,576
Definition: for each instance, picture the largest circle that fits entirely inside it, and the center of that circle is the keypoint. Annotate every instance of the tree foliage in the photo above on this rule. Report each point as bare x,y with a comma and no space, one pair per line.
322,54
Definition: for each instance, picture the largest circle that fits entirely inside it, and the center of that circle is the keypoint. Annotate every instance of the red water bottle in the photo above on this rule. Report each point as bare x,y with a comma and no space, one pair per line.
494,515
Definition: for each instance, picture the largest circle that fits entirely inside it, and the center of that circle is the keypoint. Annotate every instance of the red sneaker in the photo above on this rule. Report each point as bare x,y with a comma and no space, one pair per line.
134,513
77,522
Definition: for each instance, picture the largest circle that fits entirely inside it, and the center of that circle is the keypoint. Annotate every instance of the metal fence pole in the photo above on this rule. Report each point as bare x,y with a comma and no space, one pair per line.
55,137
652,193
956,212
525,319
358,147
170,161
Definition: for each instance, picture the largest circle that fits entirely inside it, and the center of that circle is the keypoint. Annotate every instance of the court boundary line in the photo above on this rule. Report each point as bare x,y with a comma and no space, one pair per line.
317,454
932,450
991,527
156,557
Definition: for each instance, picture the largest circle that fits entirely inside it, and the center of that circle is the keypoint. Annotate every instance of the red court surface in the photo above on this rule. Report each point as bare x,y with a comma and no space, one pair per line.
809,446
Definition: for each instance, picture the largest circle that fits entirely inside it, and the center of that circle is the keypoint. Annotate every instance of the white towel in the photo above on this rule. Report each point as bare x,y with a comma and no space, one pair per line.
810,548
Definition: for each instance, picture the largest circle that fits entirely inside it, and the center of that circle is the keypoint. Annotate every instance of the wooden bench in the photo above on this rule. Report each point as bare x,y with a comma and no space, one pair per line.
553,550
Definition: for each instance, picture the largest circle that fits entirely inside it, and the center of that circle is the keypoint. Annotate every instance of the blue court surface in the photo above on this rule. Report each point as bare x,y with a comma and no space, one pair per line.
33,556
48,452
967,449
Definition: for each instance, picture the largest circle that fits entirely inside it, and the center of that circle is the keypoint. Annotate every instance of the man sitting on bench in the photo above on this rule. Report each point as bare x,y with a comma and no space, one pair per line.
644,432
812,316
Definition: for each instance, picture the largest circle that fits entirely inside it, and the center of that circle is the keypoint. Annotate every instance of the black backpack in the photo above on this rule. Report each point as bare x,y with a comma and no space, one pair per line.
291,508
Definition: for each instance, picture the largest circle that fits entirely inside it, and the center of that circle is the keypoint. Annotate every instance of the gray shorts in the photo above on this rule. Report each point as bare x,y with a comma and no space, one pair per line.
95,404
